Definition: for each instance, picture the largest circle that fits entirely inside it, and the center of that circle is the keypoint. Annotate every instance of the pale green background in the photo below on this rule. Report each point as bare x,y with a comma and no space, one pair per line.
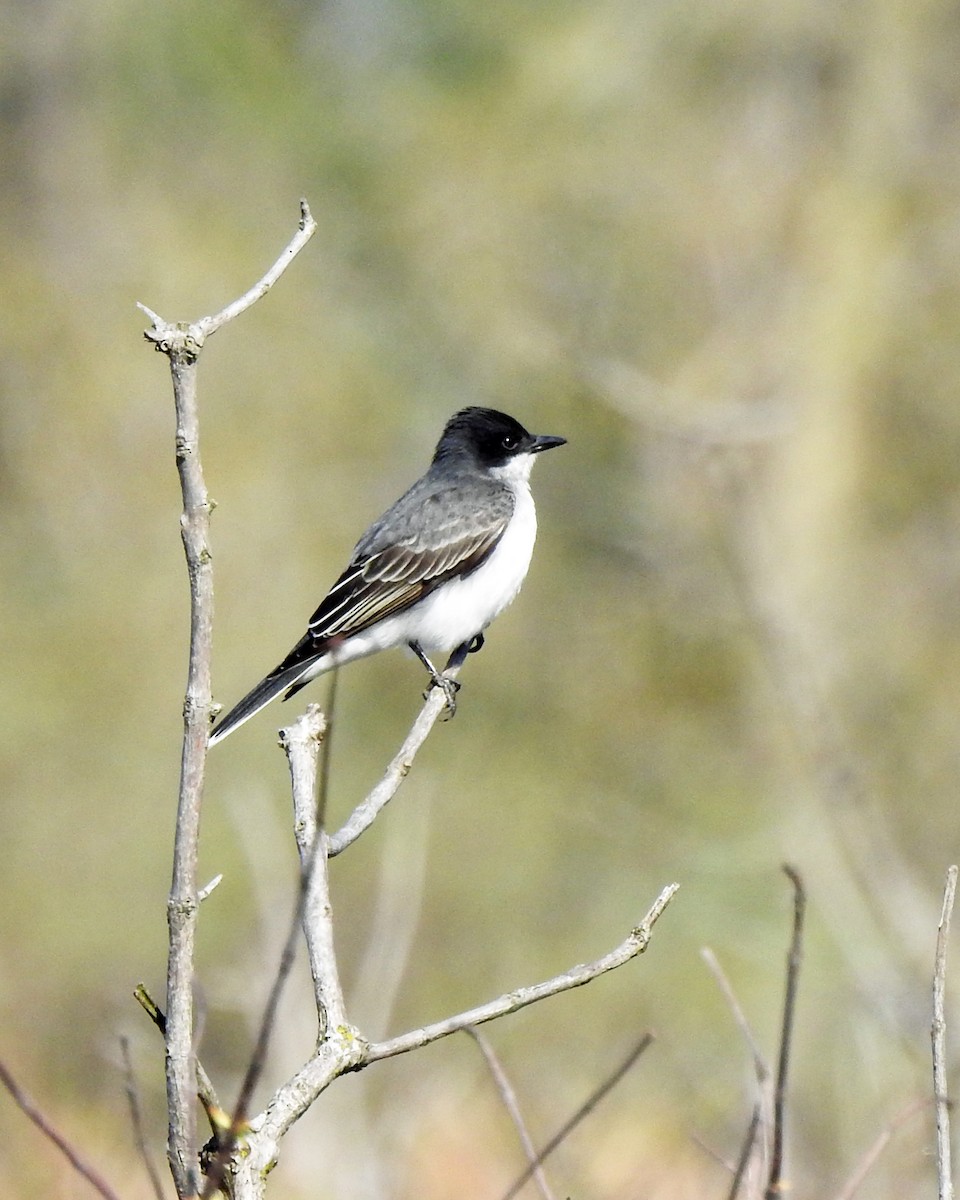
714,245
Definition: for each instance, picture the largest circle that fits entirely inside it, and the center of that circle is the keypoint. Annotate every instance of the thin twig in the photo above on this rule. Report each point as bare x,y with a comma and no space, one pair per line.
43,1123
511,1002
746,1150
938,1035
210,887
366,812
206,1092
136,1119
760,1066
866,1163
584,1110
305,232
774,1185
509,1098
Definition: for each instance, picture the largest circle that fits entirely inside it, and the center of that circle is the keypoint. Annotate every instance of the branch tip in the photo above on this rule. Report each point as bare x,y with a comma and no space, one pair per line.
210,887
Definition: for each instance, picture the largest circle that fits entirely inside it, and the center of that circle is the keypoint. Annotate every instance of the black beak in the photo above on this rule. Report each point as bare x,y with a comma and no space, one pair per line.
546,441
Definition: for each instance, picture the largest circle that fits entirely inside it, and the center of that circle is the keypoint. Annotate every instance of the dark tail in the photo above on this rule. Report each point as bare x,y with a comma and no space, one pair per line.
268,689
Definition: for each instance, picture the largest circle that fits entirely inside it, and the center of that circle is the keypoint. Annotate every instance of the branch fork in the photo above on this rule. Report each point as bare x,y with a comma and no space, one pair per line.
244,1147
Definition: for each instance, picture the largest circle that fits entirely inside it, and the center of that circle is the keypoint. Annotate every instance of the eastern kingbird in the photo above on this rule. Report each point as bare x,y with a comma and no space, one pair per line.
434,570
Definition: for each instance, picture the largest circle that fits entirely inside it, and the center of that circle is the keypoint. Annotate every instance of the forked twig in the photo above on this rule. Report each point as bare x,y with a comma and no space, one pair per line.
301,742
46,1127
344,1049
182,343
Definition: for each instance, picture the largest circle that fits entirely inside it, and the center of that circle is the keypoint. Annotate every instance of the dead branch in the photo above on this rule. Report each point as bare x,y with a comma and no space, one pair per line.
182,344
511,1002
50,1132
774,1184
746,1151
365,813
584,1110
136,1119
510,1103
938,1035
761,1124
301,742
866,1163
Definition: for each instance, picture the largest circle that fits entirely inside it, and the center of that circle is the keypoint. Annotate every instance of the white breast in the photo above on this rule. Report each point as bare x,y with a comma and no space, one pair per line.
455,612
461,608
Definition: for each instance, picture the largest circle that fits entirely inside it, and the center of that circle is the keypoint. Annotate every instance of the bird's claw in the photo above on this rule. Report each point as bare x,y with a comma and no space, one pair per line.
449,687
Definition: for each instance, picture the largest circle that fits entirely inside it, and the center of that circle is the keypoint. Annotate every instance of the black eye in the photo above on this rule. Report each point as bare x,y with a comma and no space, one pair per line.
510,441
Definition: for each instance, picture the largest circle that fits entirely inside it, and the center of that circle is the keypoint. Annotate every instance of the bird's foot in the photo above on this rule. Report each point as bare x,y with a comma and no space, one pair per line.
476,644
449,687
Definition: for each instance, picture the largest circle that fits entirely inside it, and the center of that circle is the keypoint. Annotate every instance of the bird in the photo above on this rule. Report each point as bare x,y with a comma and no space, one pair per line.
434,571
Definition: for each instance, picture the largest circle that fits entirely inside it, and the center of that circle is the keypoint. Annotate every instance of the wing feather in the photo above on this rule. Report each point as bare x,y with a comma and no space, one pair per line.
392,579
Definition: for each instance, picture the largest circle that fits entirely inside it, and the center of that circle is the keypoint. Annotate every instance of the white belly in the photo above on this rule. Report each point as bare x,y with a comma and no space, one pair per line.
457,610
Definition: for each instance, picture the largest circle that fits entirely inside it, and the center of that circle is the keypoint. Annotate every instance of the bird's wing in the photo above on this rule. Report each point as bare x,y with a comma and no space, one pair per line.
403,556
390,580
394,565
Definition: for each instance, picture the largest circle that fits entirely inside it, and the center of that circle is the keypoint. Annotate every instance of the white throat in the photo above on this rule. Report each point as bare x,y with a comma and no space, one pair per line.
515,473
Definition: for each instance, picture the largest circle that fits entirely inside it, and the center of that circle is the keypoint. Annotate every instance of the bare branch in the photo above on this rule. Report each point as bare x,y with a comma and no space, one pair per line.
584,1110
305,232
366,812
512,1002
206,1092
774,1185
938,1035
302,743
183,903
326,749
182,343
865,1165
760,1066
343,1049
509,1098
136,1119
746,1150
43,1123
764,1108
188,337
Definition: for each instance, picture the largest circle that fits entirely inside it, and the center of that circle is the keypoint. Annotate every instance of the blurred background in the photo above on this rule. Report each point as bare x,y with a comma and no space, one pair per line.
715,246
